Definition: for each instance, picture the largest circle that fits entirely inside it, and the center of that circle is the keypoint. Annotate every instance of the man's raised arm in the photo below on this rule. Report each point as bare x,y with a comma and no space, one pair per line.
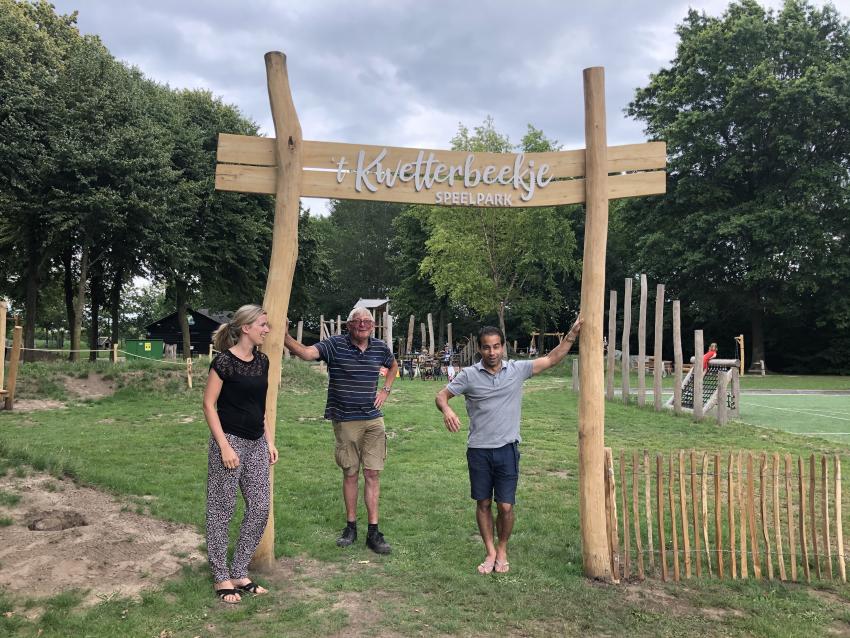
307,353
559,352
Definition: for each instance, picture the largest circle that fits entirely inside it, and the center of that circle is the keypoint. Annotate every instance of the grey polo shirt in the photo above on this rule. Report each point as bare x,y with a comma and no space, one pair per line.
493,402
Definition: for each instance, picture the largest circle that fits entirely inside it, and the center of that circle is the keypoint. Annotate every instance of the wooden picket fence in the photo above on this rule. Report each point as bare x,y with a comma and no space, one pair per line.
735,515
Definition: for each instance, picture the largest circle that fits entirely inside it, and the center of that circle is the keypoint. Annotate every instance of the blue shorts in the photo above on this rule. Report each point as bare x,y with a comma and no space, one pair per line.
494,472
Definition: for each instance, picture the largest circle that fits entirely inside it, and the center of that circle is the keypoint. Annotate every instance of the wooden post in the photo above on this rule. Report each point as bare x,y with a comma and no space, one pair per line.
189,372
410,324
704,510
677,357
824,493
718,530
636,516
611,507
338,325
813,522
322,329
115,353
735,412
648,506
641,362
591,422
789,509
658,365
764,531
673,531
722,381
450,339
777,528
804,542
695,515
683,508
3,310
284,254
742,517
14,363
839,526
627,559
424,347
612,345
625,363
697,370
299,331
730,515
388,330
431,347
659,503
575,375
751,516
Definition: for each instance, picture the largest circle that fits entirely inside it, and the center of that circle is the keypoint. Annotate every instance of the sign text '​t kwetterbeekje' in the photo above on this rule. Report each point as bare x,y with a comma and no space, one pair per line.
522,175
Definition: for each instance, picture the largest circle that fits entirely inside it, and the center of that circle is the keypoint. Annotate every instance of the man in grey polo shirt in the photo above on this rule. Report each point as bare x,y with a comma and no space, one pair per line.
493,392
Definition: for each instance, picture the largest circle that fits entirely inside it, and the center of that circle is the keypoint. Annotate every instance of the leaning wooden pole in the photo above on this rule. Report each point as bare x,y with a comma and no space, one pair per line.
591,409
288,143
14,363
625,363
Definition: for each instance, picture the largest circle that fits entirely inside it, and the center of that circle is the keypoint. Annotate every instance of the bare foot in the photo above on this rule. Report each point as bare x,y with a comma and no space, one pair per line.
230,598
246,585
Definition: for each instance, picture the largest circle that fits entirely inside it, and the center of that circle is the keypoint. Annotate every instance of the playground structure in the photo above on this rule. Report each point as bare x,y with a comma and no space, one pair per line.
7,393
721,379
289,167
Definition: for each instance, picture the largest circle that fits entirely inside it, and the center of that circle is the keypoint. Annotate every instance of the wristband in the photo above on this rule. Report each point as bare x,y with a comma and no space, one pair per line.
387,389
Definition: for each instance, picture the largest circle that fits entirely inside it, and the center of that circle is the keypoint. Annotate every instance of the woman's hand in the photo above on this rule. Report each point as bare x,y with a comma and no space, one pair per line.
229,457
273,456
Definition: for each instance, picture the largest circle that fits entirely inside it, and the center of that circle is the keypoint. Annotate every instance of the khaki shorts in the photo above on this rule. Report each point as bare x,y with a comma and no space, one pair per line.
360,443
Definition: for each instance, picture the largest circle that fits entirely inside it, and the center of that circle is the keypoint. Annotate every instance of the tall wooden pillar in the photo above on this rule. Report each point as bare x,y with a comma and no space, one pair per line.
591,409
288,142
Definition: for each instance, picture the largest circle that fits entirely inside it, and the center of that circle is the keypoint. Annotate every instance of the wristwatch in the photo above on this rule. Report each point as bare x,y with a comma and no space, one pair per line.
387,389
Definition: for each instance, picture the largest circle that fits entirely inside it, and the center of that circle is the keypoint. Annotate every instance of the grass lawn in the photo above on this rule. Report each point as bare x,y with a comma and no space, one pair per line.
137,443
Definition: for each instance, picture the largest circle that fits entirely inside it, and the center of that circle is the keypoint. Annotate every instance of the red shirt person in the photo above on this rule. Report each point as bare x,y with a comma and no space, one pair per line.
708,356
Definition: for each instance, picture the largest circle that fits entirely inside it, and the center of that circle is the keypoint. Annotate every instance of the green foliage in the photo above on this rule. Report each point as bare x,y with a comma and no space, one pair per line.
495,259
754,226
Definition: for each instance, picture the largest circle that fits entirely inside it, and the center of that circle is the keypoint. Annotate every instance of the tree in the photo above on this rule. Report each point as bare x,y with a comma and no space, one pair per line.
754,227
494,259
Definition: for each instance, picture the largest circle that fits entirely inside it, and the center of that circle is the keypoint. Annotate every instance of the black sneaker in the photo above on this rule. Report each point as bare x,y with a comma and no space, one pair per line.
377,544
348,536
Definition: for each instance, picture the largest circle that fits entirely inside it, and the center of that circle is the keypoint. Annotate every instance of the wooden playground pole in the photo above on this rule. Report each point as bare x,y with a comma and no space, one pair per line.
299,332
449,336
625,363
288,151
424,347
409,348
430,335
697,369
641,362
14,362
591,422
658,358
338,325
3,310
677,357
612,344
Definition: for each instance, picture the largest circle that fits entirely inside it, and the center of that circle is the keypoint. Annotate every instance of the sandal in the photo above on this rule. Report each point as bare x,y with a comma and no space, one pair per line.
487,566
251,588
223,593
502,567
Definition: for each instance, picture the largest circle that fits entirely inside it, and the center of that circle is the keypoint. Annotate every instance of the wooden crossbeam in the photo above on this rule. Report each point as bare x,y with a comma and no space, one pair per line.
248,165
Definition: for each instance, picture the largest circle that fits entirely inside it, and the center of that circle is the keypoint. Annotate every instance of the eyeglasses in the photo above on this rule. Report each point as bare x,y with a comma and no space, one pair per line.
362,322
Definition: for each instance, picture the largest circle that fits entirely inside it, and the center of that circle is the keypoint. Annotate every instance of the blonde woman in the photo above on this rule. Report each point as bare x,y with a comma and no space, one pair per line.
240,448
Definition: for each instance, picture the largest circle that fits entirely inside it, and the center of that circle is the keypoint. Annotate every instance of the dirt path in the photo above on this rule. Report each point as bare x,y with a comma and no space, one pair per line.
103,547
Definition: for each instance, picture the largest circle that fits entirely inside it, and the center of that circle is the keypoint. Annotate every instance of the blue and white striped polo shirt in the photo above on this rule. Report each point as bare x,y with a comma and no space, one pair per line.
353,377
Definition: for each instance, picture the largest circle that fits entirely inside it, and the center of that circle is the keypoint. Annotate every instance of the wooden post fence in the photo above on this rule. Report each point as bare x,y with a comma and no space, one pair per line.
658,359
625,361
677,357
641,361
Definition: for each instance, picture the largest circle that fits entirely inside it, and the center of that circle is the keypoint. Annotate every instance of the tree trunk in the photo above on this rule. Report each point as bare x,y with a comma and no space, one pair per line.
68,264
96,303
115,305
31,306
181,293
757,324
80,304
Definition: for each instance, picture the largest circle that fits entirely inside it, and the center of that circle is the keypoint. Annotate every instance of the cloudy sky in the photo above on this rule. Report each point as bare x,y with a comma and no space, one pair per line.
400,72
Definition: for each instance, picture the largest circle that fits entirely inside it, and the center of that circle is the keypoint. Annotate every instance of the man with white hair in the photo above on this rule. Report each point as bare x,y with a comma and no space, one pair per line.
354,403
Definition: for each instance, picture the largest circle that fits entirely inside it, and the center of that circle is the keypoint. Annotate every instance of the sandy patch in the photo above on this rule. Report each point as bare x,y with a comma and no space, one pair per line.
93,386
81,537
30,405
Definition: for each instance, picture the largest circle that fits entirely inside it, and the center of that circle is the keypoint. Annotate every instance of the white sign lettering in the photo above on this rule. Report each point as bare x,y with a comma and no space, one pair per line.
425,172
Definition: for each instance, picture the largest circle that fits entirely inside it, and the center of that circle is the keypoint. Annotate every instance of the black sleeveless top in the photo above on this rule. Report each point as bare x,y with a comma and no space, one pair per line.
241,405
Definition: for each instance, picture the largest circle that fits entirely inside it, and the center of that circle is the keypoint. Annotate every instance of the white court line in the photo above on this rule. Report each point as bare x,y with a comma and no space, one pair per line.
809,412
